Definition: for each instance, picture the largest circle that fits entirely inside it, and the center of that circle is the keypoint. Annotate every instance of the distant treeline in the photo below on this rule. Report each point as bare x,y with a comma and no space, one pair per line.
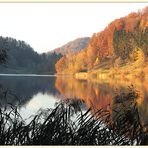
21,58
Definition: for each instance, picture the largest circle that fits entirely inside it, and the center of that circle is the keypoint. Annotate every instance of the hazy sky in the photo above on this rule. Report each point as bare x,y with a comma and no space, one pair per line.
46,26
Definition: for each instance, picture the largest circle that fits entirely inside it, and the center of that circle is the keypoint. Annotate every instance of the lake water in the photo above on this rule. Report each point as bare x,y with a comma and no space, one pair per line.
34,92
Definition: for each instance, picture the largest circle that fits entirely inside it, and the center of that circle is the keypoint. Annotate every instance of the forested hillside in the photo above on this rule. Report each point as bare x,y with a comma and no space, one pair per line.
72,47
123,40
21,58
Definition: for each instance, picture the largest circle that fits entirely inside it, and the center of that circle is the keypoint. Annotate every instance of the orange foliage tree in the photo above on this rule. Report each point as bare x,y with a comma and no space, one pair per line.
131,32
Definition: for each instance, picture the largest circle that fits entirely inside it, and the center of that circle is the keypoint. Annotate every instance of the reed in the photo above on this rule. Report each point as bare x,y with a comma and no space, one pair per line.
68,124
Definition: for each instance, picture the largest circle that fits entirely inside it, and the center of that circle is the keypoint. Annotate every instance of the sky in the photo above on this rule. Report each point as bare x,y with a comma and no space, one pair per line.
46,26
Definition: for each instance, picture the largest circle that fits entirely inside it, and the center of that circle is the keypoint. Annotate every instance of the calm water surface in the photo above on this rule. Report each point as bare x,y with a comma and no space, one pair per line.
35,92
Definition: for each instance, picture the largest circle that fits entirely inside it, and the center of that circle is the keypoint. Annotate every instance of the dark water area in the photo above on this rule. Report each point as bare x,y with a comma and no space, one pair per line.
32,93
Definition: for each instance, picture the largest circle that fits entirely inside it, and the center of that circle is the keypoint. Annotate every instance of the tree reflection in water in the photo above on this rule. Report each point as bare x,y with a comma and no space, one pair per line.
57,127
24,88
99,95
101,116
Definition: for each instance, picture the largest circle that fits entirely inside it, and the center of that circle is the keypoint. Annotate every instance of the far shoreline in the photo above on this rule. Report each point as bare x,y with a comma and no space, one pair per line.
29,75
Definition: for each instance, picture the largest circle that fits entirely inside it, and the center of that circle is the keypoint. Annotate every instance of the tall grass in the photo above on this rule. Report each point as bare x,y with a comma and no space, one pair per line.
68,124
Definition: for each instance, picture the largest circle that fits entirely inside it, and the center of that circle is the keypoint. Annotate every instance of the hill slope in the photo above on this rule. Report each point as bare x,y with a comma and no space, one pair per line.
123,40
72,46
21,58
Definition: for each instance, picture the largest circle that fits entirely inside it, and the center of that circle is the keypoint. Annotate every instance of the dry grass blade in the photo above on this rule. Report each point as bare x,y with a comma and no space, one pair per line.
65,126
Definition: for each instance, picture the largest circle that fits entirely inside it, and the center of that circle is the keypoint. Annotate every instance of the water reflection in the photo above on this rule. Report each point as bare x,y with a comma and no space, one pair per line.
26,87
38,101
43,92
29,93
101,94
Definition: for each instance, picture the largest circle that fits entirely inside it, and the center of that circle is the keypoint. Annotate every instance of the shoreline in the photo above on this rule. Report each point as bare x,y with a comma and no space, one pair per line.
27,75
127,72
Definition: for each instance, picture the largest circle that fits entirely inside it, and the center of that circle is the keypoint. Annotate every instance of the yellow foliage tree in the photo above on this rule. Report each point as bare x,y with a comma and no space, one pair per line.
137,56
97,61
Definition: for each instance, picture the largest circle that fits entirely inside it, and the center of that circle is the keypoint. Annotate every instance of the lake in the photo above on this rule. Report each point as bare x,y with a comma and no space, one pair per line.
33,92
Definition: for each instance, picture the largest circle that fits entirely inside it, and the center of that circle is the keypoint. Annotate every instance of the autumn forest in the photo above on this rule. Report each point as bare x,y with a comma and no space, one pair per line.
89,91
123,43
